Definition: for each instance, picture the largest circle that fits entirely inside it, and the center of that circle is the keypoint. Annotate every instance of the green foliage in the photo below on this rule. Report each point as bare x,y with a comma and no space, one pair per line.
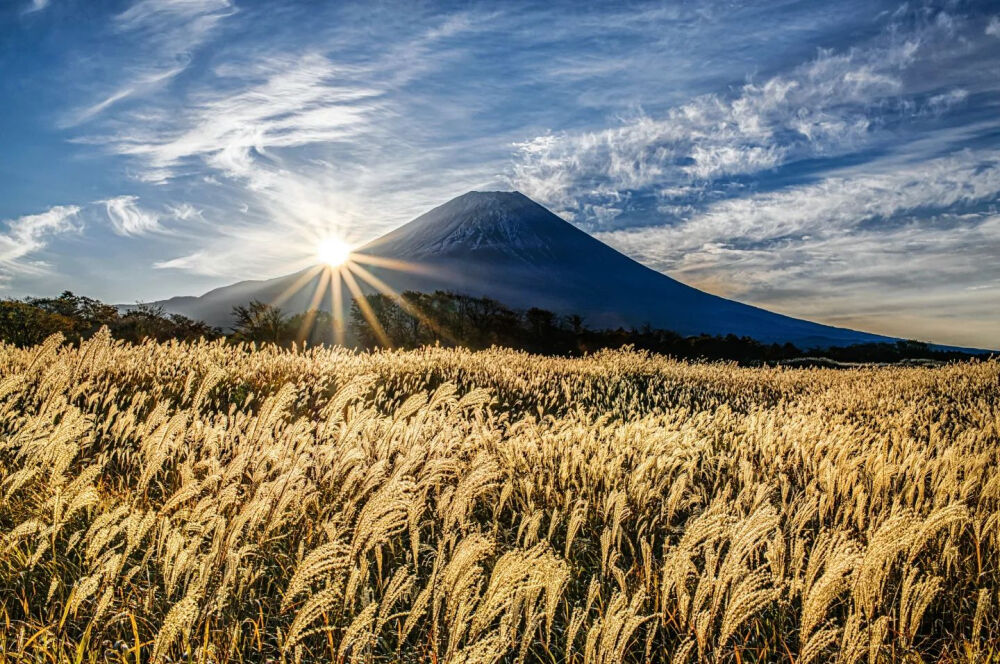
24,325
28,322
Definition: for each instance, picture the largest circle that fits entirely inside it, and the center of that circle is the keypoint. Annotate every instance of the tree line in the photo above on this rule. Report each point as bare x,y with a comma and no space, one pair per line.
450,319
31,320
412,320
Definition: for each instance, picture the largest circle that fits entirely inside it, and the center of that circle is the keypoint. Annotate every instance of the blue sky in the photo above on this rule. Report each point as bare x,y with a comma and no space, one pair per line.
834,161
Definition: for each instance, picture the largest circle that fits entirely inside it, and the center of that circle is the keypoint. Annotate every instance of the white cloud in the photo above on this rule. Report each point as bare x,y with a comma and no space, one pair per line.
185,212
832,105
946,100
173,27
297,101
128,219
926,279
29,234
142,83
166,32
275,100
993,27
36,5
155,12
859,237
837,205
197,262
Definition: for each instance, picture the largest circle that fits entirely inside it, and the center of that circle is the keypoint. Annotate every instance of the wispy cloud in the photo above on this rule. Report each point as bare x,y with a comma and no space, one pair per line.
154,13
836,103
745,145
197,262
128,219
834,205
835,246
296,102
171,29
36,6
993,27
185,212
303,145
930,279
30,234
164,33
142,82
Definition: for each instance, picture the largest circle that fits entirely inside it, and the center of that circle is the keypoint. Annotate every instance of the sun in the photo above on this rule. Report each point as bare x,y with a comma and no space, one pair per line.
333,251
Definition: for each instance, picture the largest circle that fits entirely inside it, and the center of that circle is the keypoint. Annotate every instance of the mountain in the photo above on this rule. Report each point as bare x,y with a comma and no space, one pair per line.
505,246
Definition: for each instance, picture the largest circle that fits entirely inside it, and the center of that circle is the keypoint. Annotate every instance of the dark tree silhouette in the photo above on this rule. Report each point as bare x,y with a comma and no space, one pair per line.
260,322
450,319
418,319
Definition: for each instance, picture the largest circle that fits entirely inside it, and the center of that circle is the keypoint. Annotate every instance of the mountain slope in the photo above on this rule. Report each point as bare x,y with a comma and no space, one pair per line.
505,246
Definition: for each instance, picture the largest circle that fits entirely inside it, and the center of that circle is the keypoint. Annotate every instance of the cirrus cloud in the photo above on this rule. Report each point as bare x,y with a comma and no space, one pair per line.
827,250
835,104
30,234
128,218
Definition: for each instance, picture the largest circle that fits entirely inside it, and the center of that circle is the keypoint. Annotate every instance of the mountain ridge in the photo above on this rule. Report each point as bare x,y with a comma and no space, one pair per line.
505,246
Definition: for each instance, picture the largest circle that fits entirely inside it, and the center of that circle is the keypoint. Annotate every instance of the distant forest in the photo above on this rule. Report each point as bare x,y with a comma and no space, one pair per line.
419,319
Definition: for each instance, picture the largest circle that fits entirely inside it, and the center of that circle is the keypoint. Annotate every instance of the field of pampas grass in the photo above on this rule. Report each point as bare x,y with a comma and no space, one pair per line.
215,503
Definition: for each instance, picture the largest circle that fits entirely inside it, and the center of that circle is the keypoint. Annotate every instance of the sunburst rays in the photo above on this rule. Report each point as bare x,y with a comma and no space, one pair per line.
355,271
385,289
366,309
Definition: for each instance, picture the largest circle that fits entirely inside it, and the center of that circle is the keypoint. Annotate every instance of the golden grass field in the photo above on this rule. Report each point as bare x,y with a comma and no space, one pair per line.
215,503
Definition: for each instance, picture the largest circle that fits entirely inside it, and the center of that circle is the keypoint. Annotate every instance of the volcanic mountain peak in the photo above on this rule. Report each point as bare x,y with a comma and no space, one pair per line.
481,201
504,246
509,209
494,223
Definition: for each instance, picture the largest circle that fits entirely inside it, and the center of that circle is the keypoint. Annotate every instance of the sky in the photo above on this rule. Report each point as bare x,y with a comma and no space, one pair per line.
838,162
